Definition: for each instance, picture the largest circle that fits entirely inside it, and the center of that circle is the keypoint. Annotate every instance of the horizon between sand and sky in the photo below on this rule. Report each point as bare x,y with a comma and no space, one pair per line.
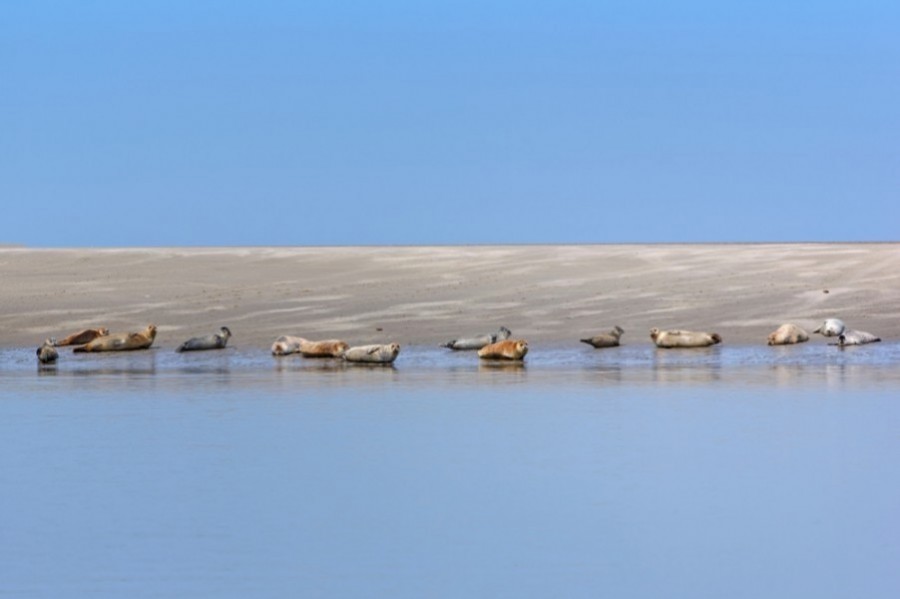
405,123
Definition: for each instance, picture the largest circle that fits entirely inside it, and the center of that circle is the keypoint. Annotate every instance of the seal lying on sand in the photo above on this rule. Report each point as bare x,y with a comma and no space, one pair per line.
668,339
374,354
788,334
852,337
610,339
479,341
215,341
509,349
46,353
121,341
832,327
82,337
329,348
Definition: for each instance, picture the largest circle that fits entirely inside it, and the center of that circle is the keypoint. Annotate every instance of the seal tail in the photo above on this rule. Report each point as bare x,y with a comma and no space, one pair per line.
80,349
449,344
716,338
588,341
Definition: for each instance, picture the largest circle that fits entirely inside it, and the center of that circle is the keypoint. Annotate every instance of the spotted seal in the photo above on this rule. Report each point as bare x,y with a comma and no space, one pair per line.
46,353
373,354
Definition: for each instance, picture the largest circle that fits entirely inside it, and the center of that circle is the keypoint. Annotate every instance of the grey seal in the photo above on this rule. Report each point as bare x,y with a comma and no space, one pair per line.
215,341
46,353
478,341
610,339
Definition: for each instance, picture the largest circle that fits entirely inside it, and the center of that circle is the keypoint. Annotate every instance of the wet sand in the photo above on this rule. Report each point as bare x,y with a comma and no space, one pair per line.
427,295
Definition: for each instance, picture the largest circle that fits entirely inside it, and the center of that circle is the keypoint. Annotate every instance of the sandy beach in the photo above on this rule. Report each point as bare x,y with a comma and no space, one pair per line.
427,295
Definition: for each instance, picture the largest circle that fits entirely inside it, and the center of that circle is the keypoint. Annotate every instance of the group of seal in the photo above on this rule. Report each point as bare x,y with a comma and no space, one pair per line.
335,348
490,346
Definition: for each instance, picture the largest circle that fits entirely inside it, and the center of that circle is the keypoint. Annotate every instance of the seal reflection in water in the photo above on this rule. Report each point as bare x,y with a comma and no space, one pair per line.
670,339
82,337
478,341
121,341
46,353
215,341
610,339
788,334
504,350
373,354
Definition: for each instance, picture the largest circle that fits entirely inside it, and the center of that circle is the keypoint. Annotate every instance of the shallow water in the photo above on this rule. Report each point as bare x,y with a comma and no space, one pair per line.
631,472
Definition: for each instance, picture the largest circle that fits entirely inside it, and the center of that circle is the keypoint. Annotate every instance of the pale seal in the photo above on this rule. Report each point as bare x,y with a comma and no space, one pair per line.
46,353
610,339
215,341
478,341
508,349
82,337
328,348
373,354
121,341
788,334
669,339
853,337
832,327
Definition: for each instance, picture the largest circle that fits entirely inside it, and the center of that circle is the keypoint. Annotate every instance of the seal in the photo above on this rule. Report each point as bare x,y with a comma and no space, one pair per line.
286,345
610,339
121,341
46,353
373,354
81,337
478,341
853,337
788,334
215,341
508,349
832,327
669,339
329,348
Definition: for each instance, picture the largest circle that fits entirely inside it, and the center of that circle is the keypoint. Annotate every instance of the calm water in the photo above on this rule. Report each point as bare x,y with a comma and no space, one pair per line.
632,472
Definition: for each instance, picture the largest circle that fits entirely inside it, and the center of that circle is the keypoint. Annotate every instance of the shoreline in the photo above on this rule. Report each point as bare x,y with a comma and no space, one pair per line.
424,295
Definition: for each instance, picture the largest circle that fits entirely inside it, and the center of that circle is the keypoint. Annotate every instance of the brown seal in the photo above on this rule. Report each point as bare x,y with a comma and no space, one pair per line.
328,348
509,349
121,341
668,339
788,334
610,339
82,337
376,354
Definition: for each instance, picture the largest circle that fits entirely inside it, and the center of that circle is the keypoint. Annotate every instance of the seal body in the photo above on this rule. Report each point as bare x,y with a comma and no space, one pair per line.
329,348
82,337
669,339
215,341
610,339
373,354
853,337
788,334
832,327
508,349
479,341
121,341
286,345
46,353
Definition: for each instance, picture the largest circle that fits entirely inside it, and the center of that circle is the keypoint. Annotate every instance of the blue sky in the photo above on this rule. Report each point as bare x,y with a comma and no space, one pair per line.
342,123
